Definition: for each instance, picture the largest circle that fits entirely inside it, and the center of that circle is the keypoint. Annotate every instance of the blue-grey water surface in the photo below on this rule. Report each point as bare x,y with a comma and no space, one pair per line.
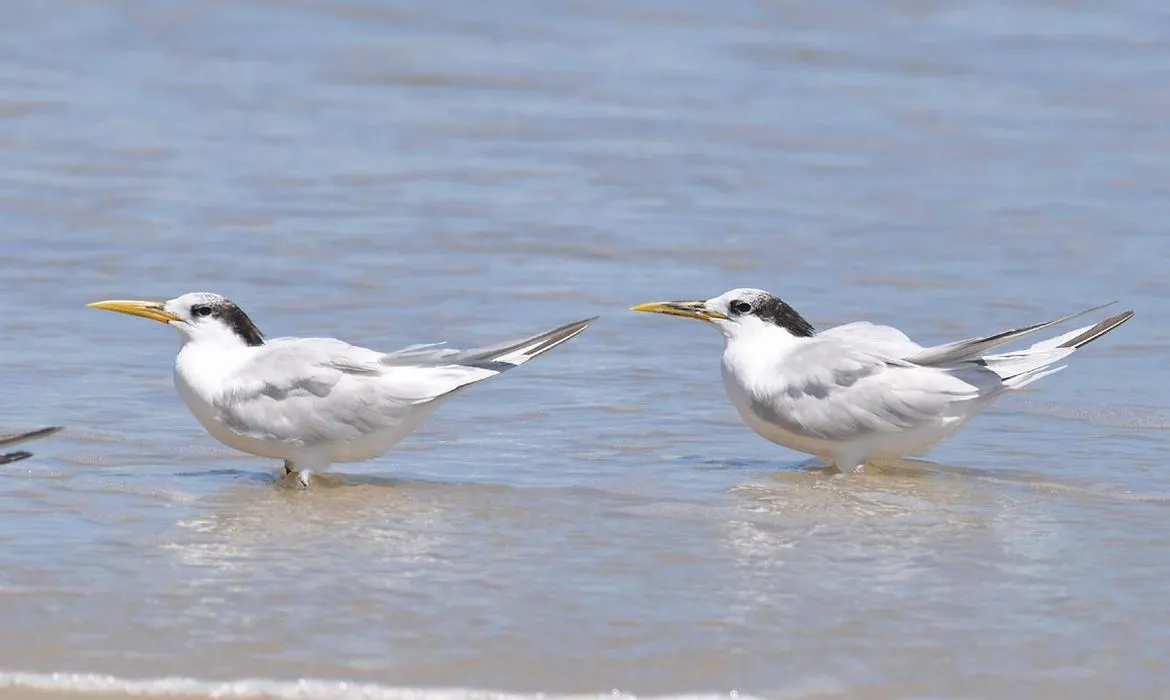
395,173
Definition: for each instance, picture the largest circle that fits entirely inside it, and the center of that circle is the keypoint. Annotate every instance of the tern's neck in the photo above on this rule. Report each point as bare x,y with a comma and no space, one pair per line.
756,333
758,345
206,369
215,335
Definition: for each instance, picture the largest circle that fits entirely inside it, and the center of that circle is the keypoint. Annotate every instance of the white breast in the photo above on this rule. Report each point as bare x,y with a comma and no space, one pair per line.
200,374
771,431
742,362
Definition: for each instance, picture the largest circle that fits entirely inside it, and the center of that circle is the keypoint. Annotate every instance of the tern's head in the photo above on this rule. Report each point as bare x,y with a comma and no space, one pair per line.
199,317
738,312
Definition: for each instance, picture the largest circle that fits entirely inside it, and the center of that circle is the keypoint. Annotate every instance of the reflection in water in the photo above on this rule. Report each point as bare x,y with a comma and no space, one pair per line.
883,549
343,518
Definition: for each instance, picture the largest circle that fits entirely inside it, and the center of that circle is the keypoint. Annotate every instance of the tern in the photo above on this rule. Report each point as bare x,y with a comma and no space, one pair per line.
314,401
862,392
7,441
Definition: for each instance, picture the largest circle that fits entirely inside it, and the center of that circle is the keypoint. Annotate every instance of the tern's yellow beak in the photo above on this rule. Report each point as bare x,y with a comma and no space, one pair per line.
690,309
146,309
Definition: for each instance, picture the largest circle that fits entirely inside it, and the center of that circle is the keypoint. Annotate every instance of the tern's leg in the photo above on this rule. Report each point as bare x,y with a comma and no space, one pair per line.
848,463
300,472
299,477
304,466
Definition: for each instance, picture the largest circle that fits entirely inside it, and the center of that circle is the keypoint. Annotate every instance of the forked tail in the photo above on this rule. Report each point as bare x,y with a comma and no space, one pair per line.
1026,366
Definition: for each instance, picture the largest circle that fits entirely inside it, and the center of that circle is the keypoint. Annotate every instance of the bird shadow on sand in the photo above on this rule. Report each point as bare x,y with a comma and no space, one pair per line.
812,466
253,476
337,480
276,478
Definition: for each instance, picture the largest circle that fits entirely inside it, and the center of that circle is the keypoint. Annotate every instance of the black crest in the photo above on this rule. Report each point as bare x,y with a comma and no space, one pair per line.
771,309
235,319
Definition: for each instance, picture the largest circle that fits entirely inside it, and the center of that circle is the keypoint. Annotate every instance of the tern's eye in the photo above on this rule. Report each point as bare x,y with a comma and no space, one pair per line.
201,310
741,307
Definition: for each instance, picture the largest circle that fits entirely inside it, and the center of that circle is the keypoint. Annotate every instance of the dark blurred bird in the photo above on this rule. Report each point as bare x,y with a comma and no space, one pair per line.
7,441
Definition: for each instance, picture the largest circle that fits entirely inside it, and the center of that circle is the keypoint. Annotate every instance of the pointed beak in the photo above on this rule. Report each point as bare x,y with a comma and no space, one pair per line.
146,309
689,309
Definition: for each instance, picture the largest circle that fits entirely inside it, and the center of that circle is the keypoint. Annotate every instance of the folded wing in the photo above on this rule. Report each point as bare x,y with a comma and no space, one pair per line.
840,392
307,390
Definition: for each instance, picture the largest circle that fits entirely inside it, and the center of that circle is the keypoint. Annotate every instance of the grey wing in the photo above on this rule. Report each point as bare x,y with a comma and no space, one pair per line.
836,391
307,390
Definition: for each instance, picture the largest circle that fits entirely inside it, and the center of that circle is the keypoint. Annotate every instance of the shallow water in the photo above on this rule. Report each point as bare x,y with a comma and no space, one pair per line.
599,519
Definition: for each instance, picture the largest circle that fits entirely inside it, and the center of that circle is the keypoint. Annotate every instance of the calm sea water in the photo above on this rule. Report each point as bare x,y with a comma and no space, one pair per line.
598,520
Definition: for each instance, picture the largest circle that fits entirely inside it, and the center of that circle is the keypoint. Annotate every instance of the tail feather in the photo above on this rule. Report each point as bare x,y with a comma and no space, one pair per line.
518,352
1026,378
1016,364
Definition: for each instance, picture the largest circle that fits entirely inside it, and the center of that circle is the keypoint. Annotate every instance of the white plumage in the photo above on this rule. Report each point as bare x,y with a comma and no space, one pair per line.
860,392
315,401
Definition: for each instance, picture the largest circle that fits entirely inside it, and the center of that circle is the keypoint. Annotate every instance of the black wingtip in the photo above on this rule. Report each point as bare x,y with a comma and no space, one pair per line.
1098,330
557,336
30,435
43,432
